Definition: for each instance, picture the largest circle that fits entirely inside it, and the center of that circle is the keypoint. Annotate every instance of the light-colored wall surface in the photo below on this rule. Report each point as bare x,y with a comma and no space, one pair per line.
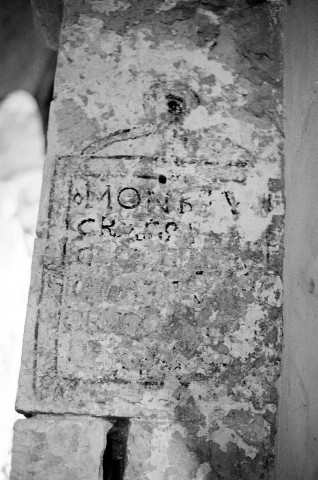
298,427
21,160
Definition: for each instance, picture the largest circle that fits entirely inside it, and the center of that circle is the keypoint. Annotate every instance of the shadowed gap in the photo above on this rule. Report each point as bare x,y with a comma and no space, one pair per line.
115,456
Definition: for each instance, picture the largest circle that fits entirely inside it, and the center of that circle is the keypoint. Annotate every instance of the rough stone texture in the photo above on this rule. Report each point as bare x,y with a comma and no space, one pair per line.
156,290
69,448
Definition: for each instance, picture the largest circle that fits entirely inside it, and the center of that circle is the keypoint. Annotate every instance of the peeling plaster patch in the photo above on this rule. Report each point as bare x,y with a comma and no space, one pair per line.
229,127
203,472
94,25
216,68
172,52
128,58
158,450
199,119
238,131
273,295
256,187
226,435
214,403
182,463
65,121
245,198
160,441
243,341
211,16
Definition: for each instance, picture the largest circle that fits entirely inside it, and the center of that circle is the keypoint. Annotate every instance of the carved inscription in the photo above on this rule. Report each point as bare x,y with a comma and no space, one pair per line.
101,216
129,269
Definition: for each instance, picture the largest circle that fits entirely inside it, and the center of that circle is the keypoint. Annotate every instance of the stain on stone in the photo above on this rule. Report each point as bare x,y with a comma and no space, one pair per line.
188,414
311,287
208,28
73,125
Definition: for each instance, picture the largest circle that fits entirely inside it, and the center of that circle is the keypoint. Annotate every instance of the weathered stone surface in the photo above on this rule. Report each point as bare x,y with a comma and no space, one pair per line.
65,448
158,450
156,287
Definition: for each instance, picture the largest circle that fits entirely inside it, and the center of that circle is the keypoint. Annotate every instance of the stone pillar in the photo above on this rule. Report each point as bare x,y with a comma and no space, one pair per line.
156,289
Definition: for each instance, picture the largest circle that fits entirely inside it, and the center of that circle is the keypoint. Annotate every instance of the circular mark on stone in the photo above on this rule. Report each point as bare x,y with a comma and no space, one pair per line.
85,255
311,288
128,198
78,198
175,104
162,179
171,225
169,101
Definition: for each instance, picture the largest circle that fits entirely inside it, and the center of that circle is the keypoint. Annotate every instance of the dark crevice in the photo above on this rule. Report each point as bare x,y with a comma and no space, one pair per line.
115,456
175,104
27,414
162,179
254,3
